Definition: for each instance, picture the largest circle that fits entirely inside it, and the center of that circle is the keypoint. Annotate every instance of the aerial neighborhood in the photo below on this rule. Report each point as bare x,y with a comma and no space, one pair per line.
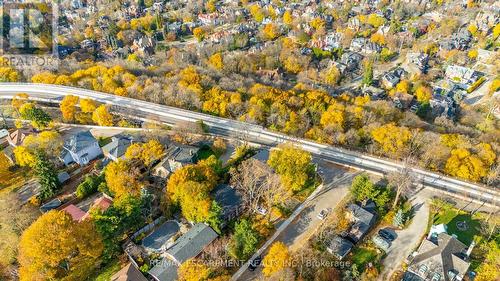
252,140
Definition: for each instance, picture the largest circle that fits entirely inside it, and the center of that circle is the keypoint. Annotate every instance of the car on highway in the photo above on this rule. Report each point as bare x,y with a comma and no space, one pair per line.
387,234
254,263
324,213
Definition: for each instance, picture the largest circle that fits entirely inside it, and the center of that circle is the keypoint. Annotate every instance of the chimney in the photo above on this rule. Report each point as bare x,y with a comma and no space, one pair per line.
471,246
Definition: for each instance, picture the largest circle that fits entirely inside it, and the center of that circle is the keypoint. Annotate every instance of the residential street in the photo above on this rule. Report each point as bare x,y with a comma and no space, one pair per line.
407,239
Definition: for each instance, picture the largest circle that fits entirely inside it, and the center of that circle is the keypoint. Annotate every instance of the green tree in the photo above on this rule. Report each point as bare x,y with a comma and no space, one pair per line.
399,218
89,185
244,241
214,216
293,165
47,176
39,118
362,188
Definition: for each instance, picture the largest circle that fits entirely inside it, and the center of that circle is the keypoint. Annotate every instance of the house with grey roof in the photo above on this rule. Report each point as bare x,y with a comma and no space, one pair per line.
339,247
188,246
80,148
229,199
440,258
162,237
177,156
363,220
128,273
117,147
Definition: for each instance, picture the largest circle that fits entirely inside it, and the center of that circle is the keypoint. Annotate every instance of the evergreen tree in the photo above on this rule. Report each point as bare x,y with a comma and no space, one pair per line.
47,176
399,218
214,217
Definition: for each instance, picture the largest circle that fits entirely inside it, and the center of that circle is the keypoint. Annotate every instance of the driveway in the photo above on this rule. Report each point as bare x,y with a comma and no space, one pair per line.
336,181
407,239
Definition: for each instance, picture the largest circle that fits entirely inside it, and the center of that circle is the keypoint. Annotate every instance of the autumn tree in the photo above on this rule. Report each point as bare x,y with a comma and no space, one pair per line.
102,117
277,259
488,269
38,117
391,138
55,247
88,105
293,165
287,17
68,107
50,142
463,164
192,270
148,153
122,178
270,31
199,33
423,94
216,61
331,75
368,72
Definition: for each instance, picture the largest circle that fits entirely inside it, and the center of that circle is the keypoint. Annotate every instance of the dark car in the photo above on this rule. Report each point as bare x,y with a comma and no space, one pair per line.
386,234
254,263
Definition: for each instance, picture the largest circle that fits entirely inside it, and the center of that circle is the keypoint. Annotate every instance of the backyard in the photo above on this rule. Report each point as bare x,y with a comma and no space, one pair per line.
460,223
10,176
363,255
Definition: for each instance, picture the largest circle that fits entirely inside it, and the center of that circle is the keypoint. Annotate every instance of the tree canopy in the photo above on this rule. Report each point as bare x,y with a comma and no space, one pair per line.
293,165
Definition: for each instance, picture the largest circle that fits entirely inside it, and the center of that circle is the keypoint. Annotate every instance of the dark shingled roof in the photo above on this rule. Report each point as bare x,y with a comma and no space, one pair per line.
339,246
118,146
79,141
161,235
192,243
228,199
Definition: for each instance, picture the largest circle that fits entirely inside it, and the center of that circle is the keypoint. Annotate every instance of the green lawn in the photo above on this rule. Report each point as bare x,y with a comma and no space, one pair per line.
451,217
205,152
108,271
361,256
103,141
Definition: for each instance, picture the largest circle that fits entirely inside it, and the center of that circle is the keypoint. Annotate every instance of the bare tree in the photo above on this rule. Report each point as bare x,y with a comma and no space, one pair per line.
401,180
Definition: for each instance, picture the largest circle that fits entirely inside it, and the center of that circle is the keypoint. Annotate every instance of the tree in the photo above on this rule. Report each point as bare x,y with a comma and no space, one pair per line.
87,105
102,117
423,94
244,240
287,17
401,180
39,118
318,23
270,31
68,107
199,33
148,153
122,178
399,218
293,165
47,176
362,188
219,146
488,269
465,165
55,247
368,73
216,61
192,270
89,185
277,259
331,75
391,138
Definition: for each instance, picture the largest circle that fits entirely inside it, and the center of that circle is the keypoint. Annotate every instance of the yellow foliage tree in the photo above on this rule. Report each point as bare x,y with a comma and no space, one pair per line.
270,31
55,247
216,61
375,20
192,270
317,23
292,65
391,138
199,33
331,75
122,178
288,18
24,157
464,165
44,78
423,94
292,164
472,54
378,38
87,105
496,31
8,74
333,117
68,107
277,259
403,87
102,117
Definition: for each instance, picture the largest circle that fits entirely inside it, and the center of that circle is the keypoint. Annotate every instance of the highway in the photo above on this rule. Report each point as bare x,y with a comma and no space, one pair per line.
256,134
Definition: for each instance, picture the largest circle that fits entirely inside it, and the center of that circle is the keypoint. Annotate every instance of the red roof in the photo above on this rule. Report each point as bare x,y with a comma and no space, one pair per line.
102,203
76,213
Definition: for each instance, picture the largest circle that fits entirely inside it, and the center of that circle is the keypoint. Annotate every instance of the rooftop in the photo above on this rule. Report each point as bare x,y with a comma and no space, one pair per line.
161,235
79,141
192,243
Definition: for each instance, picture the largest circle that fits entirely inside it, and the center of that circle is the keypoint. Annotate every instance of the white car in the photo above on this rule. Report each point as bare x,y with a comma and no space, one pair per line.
324,213
261,210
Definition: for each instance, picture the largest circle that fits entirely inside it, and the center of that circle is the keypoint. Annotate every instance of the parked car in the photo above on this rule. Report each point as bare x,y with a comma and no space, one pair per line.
381,243
387,234
261,210
324,213
254,263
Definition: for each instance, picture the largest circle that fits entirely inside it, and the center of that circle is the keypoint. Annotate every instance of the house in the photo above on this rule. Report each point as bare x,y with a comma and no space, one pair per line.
339,247
188,246
462,75
16,138
420,60
363,220
128,273
78,215
441,258
443,105
374,92
117,147
392,78
159,240
351,60
459,40
3,137
80,148
177,156
229,200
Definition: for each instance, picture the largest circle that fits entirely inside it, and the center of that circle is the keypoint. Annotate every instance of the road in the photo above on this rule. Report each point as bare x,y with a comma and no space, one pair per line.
254,133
